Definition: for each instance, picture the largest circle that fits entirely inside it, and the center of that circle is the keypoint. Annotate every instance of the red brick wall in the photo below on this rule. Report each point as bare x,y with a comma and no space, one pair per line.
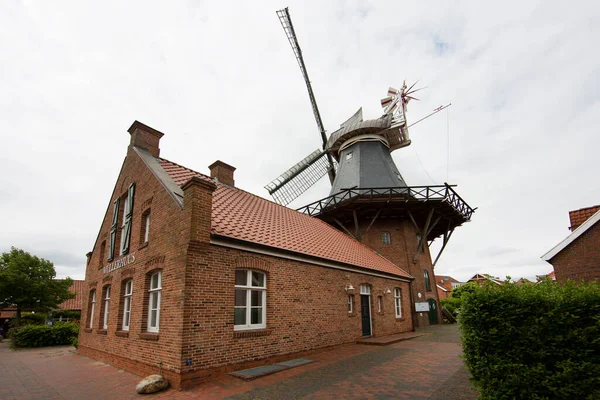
166,250
580,259
401,252
306,309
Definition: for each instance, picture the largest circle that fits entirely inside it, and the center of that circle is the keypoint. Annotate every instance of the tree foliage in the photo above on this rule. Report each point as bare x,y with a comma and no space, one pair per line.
537,341
28,283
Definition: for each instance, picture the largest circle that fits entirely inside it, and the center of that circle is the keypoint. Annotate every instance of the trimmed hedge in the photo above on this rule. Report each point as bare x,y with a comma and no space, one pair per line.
33,319
43,335
537,341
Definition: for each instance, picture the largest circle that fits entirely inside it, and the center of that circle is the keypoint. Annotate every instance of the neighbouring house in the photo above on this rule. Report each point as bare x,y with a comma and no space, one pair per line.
523,281
550,276
480,279
577,257
445,284
196,275
74,304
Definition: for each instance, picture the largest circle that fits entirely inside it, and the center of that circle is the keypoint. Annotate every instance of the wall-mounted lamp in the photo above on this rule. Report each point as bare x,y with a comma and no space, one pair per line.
387,291
349,287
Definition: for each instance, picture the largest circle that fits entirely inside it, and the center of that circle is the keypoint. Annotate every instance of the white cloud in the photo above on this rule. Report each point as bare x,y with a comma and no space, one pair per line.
220,80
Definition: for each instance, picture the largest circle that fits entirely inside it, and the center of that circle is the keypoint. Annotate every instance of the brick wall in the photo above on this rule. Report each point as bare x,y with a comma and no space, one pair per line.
580,259
306,303
401,251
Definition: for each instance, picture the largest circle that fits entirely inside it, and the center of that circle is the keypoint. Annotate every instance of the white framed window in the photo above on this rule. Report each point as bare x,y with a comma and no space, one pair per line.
92,307
386,238
106,307
147,228
350,302
379,304
349,155
250,308
124,225
127,304
127,215
398,302
365,289
154,301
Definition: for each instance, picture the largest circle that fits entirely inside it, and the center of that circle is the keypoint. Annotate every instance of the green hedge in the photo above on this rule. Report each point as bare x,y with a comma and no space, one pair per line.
33,319
537,341
43,335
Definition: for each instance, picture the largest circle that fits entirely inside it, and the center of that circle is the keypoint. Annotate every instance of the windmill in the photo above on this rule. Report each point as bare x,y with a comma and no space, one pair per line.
369,199
391,130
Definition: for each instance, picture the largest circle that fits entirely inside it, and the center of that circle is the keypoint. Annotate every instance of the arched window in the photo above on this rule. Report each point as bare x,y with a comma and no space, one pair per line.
250,308
127,293
105,306
427,281
398,302
154,297
92,307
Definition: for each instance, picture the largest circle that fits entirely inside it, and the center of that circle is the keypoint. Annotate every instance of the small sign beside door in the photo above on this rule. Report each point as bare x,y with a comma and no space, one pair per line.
422,306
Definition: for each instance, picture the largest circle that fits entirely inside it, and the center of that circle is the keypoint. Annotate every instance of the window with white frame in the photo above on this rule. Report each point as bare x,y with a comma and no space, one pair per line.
386,238
379,304
127,293
365,289
147,228
106,306
127,214
350,301
92,307
398,302
250,308
154,301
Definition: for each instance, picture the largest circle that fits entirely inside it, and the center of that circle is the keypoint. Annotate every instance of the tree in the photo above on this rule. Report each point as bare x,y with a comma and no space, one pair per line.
27,283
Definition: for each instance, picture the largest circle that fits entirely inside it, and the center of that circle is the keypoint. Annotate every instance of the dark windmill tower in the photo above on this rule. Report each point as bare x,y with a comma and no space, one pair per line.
369,199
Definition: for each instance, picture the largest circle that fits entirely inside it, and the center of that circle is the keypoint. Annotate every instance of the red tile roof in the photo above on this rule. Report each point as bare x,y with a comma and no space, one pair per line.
445,278
240,215
578,217
74,303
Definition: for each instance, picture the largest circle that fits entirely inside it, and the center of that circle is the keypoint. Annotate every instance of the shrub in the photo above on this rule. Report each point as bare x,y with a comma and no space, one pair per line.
75,342
452,304
533,341
73,315
43,335
33,319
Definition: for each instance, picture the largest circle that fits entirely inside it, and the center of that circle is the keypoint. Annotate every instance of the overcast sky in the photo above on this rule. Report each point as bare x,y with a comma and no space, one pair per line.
220,80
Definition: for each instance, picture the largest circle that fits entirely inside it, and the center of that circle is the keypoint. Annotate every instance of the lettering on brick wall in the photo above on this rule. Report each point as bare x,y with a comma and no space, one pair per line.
120,263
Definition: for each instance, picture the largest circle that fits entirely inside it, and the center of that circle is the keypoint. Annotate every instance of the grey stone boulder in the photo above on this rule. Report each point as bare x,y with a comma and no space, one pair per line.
152,384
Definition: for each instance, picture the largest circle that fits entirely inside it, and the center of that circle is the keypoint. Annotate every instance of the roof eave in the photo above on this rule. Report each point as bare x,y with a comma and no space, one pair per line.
581,229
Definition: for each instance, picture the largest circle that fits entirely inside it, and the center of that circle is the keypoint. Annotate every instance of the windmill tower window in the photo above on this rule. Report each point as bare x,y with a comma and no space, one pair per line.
348,156
386,238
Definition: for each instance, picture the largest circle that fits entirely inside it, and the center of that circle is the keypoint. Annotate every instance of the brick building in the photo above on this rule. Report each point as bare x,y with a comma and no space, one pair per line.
445,284
578,255
200,277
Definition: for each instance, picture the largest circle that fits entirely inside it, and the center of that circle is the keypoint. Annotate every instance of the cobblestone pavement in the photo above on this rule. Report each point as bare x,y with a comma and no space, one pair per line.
427,367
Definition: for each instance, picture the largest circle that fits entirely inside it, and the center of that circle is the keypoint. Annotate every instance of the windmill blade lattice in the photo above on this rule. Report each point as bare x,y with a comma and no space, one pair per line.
299,178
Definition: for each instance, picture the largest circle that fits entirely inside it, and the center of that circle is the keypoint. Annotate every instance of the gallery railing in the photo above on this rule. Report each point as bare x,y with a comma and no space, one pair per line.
444,193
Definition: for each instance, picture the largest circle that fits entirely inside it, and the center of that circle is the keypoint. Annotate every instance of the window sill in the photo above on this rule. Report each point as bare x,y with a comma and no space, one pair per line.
102,331
143,245
87,330
351,314
400,319
149,336
122,333
251,333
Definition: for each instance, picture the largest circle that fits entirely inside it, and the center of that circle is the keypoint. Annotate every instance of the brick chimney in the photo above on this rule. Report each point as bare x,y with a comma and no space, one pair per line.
197,201
223,172
578,217
145,137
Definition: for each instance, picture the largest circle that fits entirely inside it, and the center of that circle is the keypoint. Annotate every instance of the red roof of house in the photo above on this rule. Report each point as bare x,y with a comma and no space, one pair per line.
76,302
445,278
240,215
578,217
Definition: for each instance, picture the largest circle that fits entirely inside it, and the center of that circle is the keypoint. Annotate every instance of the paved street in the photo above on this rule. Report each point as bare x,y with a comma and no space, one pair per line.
427,367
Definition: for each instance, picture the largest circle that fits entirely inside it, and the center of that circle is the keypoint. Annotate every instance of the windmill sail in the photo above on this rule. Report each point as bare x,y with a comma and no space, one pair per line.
286,23
296,180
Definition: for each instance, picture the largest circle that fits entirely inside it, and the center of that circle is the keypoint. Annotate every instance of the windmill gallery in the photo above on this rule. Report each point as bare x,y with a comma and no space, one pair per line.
192,274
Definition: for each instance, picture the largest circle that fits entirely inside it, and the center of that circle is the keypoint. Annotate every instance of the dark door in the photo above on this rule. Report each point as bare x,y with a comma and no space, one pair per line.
365,313
432,312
